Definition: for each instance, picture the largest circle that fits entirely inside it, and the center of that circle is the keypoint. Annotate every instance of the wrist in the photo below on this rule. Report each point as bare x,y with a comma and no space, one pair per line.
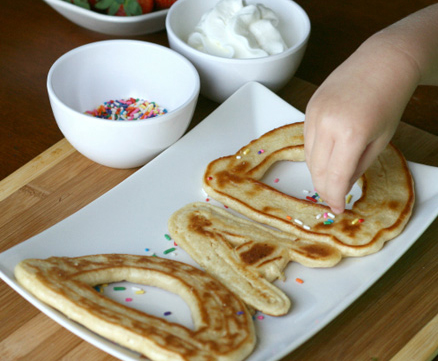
390,68
415,38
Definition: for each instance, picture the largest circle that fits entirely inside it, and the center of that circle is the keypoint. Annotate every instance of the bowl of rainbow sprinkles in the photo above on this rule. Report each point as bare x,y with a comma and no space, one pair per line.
121,110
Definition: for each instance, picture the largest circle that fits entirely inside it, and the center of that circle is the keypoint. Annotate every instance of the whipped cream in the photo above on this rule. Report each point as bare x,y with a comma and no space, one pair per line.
233,29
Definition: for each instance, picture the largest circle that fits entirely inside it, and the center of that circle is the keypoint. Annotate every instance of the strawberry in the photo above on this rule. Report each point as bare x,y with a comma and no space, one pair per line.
163,4
125,7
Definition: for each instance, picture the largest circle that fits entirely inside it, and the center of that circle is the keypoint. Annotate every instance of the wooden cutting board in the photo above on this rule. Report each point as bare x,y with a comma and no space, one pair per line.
397,318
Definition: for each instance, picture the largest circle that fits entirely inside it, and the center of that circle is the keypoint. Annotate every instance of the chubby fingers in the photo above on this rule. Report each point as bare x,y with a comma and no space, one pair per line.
337,158
333,160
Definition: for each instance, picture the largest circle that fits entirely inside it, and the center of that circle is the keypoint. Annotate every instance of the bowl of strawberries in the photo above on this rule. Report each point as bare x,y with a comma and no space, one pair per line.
115,17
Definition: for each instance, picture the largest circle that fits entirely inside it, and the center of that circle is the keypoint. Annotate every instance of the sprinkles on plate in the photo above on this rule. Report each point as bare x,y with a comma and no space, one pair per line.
169,250
127,109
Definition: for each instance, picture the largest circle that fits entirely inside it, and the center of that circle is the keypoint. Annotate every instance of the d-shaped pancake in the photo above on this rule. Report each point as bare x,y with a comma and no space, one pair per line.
378,216
224,328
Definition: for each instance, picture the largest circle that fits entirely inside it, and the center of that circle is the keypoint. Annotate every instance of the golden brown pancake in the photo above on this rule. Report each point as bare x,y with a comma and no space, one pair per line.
224,327
379,215
243,255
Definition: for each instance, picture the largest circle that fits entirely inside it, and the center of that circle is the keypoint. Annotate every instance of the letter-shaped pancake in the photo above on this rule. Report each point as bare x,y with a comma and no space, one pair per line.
224,327
378,216
243,255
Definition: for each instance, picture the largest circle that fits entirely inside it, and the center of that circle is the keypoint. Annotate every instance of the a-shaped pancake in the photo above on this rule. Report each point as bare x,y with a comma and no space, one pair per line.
243,255
378,216
221,332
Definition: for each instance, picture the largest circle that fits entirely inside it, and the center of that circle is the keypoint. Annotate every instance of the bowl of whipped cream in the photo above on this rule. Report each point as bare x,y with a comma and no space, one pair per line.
232,42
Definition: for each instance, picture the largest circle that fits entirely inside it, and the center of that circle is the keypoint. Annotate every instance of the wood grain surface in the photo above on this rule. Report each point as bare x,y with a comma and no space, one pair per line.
396,319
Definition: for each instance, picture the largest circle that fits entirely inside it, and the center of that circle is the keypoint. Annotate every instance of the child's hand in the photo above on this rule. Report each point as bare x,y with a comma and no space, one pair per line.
355,112
352,117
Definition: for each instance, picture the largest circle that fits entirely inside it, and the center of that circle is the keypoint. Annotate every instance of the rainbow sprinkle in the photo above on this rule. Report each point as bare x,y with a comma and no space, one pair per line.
357,220
138,290
98,289
169,250
119,288
127,109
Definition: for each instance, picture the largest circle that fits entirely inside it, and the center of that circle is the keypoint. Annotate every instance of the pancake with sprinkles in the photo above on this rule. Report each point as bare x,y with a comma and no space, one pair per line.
67,284
379,215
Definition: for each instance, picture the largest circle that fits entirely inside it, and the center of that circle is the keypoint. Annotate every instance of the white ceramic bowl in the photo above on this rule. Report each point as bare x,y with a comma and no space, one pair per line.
111,25
221,77
92,74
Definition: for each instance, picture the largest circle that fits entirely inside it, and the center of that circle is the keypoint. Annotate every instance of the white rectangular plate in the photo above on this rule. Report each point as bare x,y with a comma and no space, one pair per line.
133,217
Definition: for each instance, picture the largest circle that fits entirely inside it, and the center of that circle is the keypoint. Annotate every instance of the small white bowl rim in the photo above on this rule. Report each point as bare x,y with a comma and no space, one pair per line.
124,123
243,61
108,18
